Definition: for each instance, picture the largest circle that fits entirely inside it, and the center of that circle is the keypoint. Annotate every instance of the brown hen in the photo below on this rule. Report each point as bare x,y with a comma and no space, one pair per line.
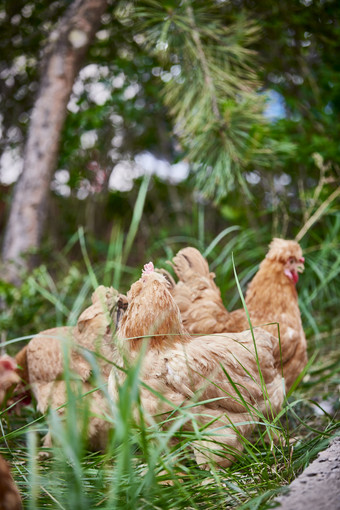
184,370
9,495
271,298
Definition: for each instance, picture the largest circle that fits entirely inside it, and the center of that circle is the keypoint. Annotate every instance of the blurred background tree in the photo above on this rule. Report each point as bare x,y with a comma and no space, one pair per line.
210,90
63,56
211,123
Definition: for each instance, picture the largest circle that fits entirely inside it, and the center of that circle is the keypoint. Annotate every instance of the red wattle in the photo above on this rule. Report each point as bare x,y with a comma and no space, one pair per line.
295,276
292,275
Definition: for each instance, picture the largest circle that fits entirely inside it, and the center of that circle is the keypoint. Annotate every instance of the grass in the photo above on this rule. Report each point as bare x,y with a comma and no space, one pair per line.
138,461
141,468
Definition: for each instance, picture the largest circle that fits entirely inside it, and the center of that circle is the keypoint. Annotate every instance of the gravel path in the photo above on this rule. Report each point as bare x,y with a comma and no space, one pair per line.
318,487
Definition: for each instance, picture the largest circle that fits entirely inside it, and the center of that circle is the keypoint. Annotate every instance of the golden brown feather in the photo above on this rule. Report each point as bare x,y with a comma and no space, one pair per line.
183,369
271,297
43,360
9,495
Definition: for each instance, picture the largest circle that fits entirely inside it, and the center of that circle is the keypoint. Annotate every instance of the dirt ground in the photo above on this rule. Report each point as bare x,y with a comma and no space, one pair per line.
318,487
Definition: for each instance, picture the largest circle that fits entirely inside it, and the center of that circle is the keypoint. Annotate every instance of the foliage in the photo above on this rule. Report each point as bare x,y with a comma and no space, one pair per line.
300,63
24,29
134,117
212,95
155,74
293,55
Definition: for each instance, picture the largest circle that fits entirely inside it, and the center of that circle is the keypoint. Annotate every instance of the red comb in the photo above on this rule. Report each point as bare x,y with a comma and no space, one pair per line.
148,268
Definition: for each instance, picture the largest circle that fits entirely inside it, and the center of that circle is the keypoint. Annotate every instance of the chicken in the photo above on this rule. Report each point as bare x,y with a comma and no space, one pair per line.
271,298
196,294
9,495
42,361
186,370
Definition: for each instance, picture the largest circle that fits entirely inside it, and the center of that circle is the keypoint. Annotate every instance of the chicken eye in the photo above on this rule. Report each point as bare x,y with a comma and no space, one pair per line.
292,260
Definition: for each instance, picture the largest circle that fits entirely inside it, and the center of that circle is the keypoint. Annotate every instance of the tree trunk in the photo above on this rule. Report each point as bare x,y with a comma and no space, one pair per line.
62,60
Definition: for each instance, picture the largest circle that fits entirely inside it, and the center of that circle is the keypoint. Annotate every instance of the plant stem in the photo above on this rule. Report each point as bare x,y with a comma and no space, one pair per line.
318,213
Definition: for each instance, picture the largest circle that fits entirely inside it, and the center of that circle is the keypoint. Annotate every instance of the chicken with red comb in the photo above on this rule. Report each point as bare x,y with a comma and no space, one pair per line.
183,372
271,297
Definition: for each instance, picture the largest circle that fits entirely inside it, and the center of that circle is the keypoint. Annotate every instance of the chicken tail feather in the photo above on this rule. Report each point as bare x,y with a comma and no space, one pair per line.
189,262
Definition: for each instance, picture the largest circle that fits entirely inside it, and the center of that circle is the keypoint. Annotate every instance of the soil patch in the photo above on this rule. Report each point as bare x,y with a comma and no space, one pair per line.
318,487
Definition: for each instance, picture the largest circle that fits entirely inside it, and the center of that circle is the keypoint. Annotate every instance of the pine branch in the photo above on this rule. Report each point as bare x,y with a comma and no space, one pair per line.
214,101
207,76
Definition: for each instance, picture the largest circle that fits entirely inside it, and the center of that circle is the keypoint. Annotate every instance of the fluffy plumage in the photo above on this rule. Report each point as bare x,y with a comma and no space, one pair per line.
271,297
9,495
184,369
43,360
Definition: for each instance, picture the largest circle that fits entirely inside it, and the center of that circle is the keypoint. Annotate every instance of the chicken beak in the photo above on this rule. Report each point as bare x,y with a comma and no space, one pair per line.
300,266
